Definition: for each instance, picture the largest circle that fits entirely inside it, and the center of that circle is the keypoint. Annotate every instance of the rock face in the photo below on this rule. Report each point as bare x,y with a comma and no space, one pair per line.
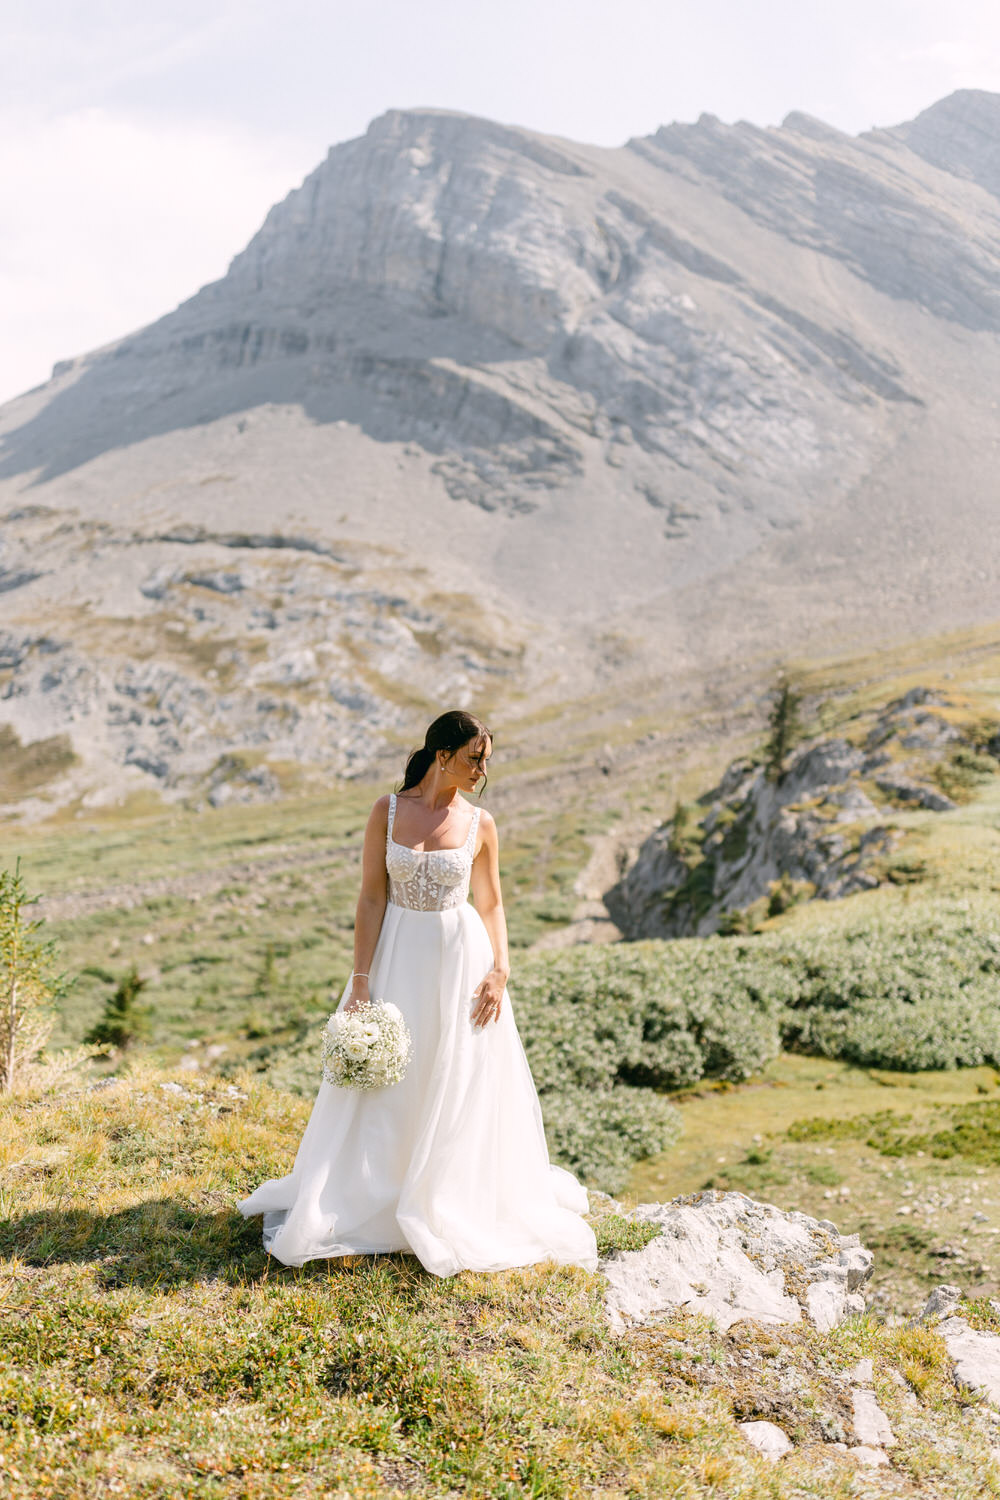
975,1352
577,389
815,832
233,661
976,1355
726,1256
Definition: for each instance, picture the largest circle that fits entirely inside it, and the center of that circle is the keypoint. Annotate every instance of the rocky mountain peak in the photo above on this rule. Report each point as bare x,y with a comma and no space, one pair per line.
961,135
671,403
446,214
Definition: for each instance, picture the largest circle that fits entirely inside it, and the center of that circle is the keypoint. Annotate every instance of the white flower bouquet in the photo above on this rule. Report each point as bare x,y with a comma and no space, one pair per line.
366,1048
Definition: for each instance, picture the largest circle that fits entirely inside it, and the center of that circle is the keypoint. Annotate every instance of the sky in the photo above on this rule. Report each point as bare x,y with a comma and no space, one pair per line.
141,145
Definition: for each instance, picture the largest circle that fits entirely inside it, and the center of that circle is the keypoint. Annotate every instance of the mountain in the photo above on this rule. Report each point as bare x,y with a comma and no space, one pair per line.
485,416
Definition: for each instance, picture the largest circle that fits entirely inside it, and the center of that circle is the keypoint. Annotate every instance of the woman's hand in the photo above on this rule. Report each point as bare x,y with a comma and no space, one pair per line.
488,997
359,992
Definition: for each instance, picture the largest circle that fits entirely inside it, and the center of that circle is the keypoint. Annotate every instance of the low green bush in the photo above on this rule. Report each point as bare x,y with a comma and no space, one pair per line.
913,991
611,1031
659,1015
600,1133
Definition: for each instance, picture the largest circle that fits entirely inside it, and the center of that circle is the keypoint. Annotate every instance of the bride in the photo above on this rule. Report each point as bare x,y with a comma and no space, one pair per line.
450,1163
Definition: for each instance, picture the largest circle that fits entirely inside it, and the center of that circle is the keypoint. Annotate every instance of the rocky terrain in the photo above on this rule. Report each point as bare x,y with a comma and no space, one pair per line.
824,828
489,417
729,1258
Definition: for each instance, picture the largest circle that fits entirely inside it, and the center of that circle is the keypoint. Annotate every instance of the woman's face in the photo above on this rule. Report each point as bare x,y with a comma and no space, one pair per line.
468,763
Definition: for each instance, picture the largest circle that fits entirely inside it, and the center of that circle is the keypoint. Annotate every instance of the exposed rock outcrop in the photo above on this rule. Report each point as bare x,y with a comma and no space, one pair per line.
824,828
729,1257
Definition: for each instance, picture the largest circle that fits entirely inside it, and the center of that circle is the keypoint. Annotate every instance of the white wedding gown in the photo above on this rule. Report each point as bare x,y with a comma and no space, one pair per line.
451,1163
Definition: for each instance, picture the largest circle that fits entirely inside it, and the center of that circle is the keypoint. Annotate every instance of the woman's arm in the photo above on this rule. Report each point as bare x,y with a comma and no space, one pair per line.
371,902
489,904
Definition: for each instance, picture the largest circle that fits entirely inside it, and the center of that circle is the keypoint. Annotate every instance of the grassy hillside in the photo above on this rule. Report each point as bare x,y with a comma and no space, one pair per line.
151,1349
239,918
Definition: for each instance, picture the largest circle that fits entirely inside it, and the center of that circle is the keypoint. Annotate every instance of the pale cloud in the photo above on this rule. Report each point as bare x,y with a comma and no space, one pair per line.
106,223
143,144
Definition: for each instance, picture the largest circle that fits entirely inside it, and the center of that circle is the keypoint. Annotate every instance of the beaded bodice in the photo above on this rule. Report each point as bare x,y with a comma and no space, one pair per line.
428,879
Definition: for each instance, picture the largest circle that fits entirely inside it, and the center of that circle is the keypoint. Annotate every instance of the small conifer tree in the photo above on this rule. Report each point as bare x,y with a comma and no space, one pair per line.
124,1021
29,982
785,728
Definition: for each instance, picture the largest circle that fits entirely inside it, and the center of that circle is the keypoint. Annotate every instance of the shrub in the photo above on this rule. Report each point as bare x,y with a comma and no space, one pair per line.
124,1021
659,1015
912,991
963,773
609,1030
29,983
600,1133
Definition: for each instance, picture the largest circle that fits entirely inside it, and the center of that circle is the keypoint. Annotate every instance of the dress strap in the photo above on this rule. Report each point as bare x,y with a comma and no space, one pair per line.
392,815
470,837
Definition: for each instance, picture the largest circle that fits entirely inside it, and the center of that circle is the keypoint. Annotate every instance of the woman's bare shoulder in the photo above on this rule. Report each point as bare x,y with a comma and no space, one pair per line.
380,809
487,822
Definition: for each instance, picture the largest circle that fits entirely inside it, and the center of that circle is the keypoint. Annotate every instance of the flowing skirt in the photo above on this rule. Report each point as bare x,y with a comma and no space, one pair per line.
450,1163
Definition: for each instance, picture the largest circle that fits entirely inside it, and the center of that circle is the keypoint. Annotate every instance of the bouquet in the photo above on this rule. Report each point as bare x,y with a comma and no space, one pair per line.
366,1048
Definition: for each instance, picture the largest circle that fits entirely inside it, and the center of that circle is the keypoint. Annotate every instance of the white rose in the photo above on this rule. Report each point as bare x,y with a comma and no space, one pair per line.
369,1031
356,1049
392,1012
333,1025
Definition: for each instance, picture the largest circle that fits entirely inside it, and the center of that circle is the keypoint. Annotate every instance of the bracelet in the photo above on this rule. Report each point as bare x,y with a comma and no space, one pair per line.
360,976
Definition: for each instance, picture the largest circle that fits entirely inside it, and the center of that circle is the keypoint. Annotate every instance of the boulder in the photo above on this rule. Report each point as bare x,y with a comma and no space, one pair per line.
941,1303
730,1257
766,1438
905,789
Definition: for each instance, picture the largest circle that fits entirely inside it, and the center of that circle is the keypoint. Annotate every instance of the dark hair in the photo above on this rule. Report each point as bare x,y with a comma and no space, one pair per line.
449,732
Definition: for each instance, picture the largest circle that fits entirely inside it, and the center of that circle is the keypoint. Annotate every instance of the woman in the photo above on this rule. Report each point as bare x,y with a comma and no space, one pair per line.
450,1163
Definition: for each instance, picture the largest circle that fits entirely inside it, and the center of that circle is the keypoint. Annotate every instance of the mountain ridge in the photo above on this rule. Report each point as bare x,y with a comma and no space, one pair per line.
692,401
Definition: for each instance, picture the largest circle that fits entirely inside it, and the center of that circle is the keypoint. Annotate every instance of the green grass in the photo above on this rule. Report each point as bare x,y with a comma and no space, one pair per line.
152,1349
199,899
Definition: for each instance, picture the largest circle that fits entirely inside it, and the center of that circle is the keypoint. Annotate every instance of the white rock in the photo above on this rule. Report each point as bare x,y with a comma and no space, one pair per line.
862,1373
825,1304
871,1458
871,1425
976,1356
766,1438
729,1257
858,1262
941,1302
